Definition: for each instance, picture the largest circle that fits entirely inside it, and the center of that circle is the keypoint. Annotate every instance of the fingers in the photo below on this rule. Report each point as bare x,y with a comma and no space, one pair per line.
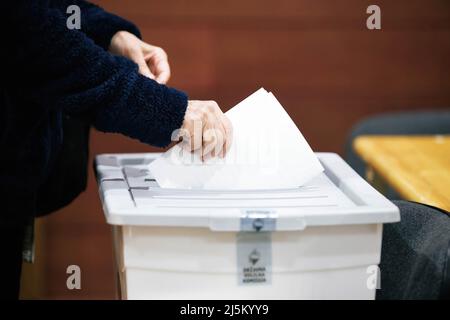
138,57
229,135
162,71
221,136
193,125
213,137
192,133
152,60
209,129
156,59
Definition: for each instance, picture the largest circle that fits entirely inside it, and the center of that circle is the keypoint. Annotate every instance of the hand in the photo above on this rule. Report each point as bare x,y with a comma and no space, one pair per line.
206,129
152,61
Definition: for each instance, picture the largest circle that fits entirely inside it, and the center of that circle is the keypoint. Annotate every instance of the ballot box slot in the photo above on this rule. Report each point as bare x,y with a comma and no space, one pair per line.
203,192
251,207
145,196
243,197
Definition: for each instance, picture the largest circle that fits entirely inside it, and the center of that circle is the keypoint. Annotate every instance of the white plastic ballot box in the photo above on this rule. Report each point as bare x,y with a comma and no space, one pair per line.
318,241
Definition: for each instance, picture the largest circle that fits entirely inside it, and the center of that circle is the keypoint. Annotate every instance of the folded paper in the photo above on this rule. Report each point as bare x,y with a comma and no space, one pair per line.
268,152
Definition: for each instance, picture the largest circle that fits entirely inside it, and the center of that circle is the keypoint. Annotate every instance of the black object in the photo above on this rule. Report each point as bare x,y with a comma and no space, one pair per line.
68,177
415,255
11,241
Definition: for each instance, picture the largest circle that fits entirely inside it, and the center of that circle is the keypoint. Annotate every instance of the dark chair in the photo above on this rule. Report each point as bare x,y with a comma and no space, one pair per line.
415,254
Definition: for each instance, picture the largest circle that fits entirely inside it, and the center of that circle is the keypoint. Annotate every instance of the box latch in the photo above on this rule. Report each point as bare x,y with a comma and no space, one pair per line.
258,220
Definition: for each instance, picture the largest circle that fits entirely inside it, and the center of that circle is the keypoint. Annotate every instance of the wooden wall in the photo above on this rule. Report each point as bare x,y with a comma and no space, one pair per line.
318,58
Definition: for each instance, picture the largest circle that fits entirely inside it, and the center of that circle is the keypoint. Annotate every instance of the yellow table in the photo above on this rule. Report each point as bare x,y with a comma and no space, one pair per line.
416,167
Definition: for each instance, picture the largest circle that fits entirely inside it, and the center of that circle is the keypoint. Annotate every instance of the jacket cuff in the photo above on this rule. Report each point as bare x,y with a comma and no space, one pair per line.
150,112
172,115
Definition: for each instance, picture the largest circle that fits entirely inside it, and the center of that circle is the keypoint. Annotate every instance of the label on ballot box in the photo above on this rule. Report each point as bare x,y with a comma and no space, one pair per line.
254,258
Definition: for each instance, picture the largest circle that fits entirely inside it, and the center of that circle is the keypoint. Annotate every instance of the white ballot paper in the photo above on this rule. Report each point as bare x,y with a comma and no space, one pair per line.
268,152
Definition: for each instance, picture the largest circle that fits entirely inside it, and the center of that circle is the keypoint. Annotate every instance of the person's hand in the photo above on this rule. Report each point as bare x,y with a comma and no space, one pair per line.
206,129
152,60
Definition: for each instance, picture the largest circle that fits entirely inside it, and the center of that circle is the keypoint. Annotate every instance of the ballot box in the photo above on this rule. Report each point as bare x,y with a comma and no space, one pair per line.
318,241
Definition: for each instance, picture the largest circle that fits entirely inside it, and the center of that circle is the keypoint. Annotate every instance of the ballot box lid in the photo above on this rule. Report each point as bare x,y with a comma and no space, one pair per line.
339,196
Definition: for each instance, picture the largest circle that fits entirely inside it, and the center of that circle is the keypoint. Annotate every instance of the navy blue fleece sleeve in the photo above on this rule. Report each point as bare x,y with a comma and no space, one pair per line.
65,70
96,23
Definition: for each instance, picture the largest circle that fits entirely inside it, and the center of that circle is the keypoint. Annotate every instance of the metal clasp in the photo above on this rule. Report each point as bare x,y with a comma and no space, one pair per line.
258,220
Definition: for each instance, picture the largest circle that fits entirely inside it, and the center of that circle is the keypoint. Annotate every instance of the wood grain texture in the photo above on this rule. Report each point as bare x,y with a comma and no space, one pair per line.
317,56
418,168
